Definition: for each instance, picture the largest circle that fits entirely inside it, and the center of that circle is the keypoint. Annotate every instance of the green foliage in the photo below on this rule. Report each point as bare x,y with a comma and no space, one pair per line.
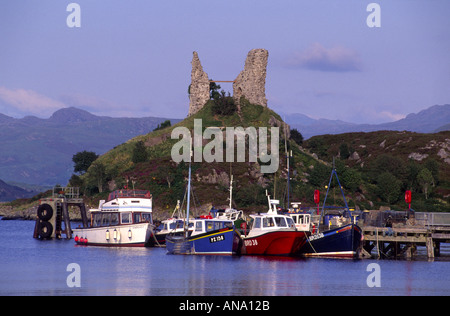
163,125
320,175
250,194
139,152
388,187
83,160
223,104
426,181
296,136
214,90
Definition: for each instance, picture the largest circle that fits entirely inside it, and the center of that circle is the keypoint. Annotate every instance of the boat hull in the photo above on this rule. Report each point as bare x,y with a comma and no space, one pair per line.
221,242
342,242
133,235
277,243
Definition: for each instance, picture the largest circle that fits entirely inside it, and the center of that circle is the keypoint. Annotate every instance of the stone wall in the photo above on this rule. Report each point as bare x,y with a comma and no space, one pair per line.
250,83
199,88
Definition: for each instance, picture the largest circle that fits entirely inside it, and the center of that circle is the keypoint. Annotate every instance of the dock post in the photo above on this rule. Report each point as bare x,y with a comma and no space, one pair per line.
83,215
65,210
430,247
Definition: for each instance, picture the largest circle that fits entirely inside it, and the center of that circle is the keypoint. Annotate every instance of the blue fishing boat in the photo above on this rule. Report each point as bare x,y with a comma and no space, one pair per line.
208,235
337,235
341,242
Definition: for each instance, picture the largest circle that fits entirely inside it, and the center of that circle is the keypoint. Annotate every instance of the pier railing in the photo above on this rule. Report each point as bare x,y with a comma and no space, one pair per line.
432,219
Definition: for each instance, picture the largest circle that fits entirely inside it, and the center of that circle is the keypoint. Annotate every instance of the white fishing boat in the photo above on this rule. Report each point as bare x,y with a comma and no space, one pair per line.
123,220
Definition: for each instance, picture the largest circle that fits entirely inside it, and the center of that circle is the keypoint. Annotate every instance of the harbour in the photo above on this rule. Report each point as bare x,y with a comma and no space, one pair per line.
36,267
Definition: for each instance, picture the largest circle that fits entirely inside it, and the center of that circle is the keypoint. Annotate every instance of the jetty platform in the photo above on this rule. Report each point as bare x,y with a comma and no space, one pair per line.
391,234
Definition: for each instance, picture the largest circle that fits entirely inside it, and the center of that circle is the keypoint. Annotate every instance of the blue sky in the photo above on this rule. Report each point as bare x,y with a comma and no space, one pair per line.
132,57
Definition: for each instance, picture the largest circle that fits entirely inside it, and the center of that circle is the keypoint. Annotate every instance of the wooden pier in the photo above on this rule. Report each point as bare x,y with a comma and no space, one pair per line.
402,237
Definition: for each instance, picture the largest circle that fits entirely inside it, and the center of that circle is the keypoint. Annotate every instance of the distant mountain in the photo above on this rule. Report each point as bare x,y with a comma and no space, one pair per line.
11,192
435,118
39,151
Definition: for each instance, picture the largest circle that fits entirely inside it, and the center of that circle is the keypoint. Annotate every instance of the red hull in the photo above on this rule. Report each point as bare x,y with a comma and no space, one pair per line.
277,243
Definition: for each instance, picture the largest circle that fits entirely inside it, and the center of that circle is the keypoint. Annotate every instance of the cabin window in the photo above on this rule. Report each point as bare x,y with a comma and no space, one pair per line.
290,222
114,218
137,217
198,226
126,218
257,223
97,220
106,218
209,226
268,222
146,217
280,221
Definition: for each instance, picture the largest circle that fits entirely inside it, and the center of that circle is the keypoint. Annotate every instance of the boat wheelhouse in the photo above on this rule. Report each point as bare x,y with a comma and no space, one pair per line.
124,219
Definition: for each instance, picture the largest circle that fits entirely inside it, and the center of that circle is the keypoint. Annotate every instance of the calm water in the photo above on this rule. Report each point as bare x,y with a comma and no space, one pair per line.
33,267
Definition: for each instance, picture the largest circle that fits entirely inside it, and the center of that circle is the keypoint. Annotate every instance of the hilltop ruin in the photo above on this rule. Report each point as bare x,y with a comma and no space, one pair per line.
250,83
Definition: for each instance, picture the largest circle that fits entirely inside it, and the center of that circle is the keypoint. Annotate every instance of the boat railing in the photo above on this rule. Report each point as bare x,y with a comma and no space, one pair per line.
143,194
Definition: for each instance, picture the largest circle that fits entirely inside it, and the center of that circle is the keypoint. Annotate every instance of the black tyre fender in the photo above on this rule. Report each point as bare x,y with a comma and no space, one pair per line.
45,212
45,230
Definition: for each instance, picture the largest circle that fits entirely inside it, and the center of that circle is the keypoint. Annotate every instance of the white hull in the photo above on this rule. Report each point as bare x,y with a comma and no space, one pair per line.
132,235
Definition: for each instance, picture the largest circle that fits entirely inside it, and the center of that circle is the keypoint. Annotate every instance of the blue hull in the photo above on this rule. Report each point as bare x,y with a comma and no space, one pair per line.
220,242
342,242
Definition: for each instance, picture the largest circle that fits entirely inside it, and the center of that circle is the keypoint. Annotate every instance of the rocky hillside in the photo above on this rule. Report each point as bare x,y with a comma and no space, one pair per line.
402,155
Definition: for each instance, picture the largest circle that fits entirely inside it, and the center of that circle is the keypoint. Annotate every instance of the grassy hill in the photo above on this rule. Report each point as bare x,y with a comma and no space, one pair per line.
374,169
398,156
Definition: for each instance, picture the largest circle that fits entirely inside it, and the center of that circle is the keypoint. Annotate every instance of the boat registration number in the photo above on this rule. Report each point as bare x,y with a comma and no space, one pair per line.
250,242
216,238
317,236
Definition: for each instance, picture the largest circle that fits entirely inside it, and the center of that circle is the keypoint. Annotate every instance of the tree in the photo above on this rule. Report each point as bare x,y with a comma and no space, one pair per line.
223,104
320,175
83,160
425,180
388,187
98,172
213,90
351,179
344,151
296,136
163,125
139,153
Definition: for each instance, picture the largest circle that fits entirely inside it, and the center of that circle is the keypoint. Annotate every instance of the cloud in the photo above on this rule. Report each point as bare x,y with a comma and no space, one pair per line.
389,116
336,59
27,102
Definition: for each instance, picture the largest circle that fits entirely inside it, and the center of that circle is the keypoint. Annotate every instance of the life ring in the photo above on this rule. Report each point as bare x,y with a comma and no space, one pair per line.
45,212
45,230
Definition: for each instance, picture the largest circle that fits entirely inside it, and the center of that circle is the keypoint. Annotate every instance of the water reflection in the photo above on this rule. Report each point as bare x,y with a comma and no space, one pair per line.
33,267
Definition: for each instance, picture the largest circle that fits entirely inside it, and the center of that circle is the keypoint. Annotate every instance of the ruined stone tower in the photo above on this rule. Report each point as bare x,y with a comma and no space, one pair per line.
199,88
250,83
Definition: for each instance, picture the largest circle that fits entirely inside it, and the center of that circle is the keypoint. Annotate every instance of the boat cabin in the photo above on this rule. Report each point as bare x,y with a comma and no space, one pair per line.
106,218
205,225
123,207
270,222
228,213
302,221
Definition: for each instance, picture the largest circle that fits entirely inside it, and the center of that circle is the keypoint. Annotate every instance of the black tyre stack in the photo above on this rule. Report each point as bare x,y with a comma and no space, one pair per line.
45,213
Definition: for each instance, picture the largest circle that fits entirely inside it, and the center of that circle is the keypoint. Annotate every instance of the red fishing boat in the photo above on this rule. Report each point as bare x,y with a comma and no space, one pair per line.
273,234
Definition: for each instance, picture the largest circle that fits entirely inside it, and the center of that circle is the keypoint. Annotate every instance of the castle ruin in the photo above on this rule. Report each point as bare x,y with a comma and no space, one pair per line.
250,83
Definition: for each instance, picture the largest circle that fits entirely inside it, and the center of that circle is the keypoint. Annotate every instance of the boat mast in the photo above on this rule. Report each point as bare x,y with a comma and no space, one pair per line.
231,190
333,172
186,226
